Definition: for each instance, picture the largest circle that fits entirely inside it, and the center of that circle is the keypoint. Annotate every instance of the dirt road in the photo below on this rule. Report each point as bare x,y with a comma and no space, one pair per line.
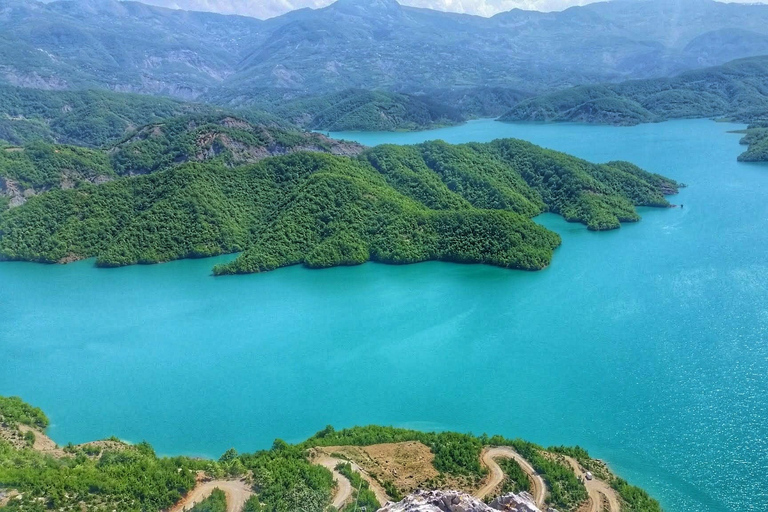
497,475
345,488
237,493
344,491
598,490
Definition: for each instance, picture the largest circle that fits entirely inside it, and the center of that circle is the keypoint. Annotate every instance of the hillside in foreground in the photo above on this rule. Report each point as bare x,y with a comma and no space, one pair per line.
334,470
185,189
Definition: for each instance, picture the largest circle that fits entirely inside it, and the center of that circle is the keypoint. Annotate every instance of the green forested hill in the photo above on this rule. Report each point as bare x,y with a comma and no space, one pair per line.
737,90
84,118
757,140
222,138
360,110
39,166
468,203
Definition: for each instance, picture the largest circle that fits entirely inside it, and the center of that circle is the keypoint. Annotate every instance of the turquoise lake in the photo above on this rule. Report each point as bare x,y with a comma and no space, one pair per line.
647,345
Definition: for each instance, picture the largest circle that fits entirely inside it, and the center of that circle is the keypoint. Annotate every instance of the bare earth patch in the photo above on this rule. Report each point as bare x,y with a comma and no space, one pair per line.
409,465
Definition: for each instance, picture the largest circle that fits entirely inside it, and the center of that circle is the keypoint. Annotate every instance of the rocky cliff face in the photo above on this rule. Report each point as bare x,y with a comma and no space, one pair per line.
455,501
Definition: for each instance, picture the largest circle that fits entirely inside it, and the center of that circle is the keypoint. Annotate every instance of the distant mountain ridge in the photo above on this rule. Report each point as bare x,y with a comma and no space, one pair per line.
369,44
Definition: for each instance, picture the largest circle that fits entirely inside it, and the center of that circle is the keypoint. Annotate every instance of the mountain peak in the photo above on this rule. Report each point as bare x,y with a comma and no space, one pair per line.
367,6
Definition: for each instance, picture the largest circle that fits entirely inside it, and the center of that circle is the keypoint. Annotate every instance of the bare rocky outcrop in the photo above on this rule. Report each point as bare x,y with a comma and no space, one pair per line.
14,192
457,501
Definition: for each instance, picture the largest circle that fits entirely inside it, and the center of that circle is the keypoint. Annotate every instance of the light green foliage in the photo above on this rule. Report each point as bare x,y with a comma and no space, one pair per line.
515,479
14,411
470,203
285,481
566,492
634,499
133,479
216,502
362,496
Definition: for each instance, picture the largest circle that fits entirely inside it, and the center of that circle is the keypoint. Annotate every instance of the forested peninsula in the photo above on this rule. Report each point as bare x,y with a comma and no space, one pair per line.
196,187
734,92
380,463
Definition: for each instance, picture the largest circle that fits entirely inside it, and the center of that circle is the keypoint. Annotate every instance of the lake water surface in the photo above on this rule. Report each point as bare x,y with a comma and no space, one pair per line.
647,345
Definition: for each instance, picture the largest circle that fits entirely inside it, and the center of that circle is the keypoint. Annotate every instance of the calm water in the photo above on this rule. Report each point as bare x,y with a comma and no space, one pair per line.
647,345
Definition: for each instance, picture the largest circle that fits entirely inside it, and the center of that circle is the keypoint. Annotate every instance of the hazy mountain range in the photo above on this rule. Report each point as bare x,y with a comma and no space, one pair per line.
368,44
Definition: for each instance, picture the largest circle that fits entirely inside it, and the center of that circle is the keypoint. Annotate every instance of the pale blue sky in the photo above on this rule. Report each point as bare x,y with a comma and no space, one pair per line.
269,8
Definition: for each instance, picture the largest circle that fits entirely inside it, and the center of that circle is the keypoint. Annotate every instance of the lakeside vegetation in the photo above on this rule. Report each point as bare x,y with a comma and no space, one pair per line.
468,203
113,475
756,138
734,91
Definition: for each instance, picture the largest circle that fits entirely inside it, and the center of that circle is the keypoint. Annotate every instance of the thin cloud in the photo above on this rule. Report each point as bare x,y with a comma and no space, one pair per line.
270,8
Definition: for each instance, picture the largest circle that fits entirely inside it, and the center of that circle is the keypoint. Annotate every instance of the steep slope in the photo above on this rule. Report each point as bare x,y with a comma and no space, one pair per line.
124,46
37,167
369,44
736,90
359,110
85,118
226,139
469,203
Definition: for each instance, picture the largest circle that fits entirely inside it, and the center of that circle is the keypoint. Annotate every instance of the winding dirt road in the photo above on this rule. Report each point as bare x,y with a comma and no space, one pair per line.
597,489
497,475
237,493
344,491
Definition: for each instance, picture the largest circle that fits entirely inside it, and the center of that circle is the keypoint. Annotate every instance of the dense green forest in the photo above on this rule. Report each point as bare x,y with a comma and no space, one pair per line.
435,201
756,138
115,476
735,91
361,110
83,118
40,166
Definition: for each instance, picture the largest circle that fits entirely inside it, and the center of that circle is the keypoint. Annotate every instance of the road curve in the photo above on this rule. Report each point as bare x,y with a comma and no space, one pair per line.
597,490
237,493
497,475
344,491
